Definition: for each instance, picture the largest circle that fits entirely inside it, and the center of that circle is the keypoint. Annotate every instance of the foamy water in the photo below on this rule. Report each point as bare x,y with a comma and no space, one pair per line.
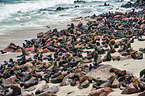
30,13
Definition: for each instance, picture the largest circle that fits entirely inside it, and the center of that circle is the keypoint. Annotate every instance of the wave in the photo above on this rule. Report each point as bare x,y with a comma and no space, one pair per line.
8,1
43,12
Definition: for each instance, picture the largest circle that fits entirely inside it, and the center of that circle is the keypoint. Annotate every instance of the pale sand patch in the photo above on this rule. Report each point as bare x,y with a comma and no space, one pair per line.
75,91
17,37
130,65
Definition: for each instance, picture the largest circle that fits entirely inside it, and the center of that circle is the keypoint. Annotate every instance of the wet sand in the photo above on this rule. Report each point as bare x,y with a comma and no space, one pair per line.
17,37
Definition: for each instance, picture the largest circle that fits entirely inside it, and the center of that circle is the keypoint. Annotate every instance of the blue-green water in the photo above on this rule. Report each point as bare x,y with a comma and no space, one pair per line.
30,13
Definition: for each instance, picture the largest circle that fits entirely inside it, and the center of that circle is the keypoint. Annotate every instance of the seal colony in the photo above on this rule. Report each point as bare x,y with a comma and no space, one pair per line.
66,56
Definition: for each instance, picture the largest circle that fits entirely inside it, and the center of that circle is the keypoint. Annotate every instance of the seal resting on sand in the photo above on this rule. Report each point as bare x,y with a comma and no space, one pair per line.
101,92
142,73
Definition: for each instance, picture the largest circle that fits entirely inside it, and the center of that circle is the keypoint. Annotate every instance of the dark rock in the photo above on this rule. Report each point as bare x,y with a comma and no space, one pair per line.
79,1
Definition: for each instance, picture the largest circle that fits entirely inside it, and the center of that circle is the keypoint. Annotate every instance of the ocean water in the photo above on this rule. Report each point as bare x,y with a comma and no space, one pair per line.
29,13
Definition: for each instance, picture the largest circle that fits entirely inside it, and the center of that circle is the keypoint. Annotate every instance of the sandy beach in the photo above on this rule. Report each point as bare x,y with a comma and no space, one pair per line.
130,65
18,36
68,63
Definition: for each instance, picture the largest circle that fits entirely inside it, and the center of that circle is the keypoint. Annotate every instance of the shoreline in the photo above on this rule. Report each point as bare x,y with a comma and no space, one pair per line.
27,33
18,37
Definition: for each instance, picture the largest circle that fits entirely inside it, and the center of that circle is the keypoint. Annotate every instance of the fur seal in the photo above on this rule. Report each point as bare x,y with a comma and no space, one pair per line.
118,72
142,73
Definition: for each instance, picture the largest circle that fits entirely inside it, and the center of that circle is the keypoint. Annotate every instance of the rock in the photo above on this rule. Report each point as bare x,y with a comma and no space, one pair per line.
61,8
26,76
106,84
65,82
79,1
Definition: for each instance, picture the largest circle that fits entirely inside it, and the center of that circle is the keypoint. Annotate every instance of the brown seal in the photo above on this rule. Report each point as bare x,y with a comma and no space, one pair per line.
142,73
85,84
16,90
101,92
117,71
33,81
89,78
58,79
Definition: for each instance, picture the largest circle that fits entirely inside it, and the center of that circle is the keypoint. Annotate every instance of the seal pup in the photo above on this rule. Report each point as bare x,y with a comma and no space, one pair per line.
3,52
142,73
107,57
